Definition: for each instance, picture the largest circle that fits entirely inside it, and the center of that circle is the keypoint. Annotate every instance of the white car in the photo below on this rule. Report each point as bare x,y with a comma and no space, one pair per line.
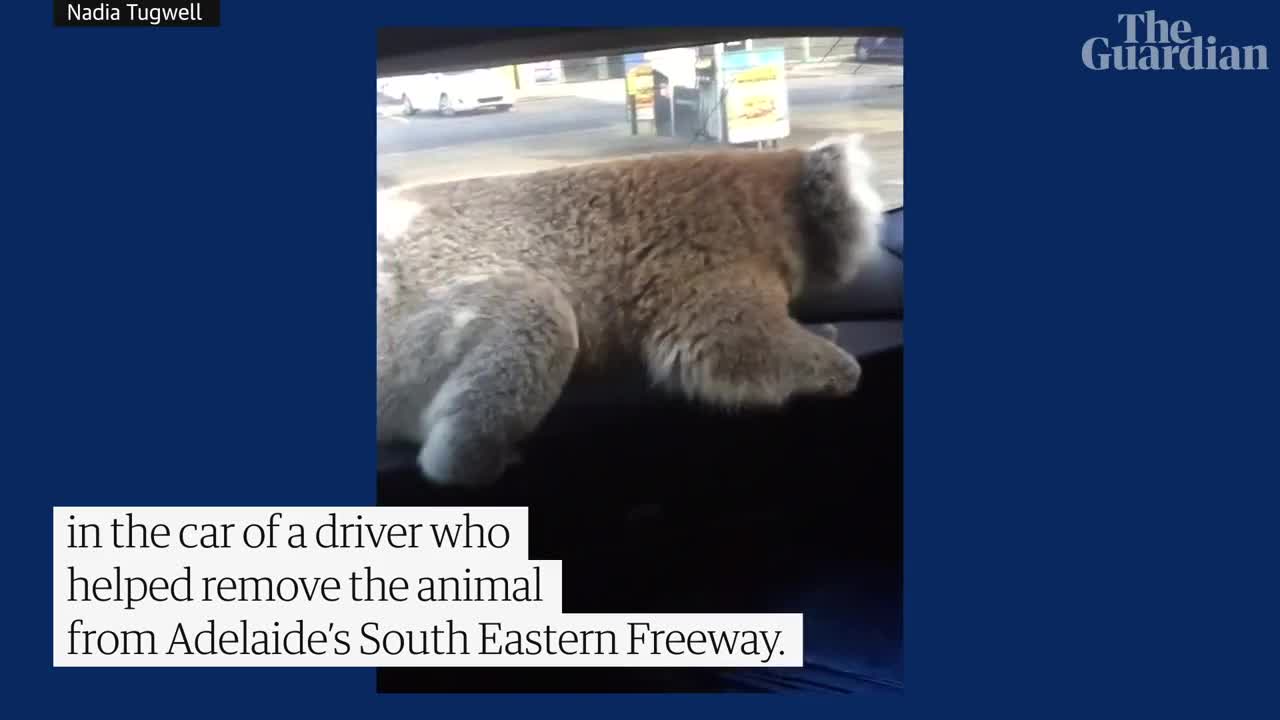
451,92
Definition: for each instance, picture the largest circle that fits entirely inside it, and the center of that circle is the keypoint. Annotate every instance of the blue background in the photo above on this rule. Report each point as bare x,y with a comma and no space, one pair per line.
1091,374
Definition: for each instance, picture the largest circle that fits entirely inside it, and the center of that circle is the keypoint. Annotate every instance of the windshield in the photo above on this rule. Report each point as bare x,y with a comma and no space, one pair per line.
757,93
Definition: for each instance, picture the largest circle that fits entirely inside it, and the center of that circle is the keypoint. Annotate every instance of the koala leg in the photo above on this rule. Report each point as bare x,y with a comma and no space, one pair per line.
738,347
520,345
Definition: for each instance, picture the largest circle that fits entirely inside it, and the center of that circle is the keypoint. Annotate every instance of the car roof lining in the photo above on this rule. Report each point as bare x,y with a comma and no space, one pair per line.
414,50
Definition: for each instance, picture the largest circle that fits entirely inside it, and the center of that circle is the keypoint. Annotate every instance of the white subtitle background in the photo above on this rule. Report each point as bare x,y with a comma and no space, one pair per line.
380,632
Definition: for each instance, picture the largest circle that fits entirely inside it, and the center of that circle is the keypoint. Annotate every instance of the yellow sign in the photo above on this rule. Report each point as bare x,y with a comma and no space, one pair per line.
640,85
756,98
759,74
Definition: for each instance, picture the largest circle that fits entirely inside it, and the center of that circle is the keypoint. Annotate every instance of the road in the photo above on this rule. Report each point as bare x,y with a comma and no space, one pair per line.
424,131
552,116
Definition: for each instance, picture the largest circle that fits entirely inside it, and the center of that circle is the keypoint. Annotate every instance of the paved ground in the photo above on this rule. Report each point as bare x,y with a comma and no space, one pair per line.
544,132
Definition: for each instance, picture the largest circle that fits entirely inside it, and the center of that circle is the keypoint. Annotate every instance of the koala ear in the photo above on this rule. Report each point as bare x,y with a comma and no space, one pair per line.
841,204
848,141
843,155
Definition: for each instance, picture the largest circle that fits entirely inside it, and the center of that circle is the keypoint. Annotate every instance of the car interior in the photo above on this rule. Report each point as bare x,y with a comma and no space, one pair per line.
655,505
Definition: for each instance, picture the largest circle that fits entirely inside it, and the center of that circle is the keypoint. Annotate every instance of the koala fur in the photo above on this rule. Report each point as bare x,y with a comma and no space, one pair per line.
492,292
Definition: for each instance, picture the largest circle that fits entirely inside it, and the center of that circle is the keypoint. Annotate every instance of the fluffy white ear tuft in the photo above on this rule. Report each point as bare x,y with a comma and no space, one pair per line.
848,141
841,198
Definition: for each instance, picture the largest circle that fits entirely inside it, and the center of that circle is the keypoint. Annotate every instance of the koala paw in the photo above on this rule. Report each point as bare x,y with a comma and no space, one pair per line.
453,459
841,378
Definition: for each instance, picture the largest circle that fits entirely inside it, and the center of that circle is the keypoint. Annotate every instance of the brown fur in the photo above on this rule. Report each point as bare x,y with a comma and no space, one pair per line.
685,263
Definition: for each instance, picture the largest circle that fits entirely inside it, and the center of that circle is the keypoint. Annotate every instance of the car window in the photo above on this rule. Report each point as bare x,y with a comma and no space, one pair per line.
753,93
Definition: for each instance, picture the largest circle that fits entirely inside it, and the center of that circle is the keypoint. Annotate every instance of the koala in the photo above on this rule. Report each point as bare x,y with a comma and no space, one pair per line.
493,292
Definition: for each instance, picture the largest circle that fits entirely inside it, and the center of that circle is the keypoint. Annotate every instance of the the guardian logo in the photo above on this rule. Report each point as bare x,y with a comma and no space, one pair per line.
1153,44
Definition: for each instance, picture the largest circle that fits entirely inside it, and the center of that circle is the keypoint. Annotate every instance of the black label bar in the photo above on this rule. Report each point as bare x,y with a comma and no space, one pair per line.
205,13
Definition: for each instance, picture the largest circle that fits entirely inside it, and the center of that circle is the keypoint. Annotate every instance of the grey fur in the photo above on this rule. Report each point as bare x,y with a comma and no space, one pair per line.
493,292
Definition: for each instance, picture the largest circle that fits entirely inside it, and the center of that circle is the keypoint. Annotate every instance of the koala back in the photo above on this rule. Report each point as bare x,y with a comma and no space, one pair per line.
627,242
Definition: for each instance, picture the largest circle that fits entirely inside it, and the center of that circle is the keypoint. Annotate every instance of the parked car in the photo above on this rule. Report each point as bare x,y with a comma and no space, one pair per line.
388,104
878,49
451,92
